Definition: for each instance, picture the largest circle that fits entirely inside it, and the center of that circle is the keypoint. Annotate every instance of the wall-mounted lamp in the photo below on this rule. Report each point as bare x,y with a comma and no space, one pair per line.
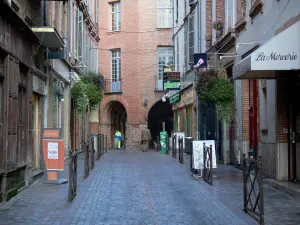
227,56
248,43
145,101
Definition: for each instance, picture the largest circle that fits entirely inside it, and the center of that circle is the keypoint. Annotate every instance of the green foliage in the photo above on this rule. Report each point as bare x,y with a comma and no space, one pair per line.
86,92
213,86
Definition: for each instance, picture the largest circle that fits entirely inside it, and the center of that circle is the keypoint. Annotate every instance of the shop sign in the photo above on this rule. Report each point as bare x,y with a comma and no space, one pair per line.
175,98
186,98
200,60
38,85
171,80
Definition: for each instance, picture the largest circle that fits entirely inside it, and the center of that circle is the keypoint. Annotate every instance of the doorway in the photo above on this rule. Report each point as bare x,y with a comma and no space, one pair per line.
159,113
294,130
36,133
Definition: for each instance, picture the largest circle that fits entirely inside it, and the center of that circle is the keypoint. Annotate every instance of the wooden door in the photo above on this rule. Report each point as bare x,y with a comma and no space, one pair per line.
13,75
21,125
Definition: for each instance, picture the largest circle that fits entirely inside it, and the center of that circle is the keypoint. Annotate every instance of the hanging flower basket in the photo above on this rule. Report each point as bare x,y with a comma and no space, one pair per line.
213,86
219,25
86,93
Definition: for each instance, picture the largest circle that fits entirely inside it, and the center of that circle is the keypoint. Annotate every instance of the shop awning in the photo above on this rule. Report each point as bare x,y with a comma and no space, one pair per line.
280,53
49,37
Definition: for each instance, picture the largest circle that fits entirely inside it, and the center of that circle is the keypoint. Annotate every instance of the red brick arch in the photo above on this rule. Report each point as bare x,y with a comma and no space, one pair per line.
106,103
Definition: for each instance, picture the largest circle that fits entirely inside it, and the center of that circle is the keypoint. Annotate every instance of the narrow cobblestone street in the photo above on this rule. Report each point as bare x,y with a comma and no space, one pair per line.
130,188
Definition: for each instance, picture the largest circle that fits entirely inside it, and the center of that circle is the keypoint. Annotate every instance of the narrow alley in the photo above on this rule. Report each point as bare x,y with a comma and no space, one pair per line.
127,187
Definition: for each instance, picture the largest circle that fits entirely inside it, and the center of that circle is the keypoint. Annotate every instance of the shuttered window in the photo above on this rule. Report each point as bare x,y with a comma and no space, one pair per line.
164,13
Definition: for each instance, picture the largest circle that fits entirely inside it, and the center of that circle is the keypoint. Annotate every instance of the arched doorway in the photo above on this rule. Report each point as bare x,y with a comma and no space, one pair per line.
118,118
159,113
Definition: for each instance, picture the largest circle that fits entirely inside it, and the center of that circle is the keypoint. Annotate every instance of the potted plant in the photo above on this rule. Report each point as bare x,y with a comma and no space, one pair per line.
219,25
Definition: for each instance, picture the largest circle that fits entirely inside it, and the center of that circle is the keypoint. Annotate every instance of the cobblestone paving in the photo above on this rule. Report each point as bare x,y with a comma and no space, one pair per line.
280,208
125,188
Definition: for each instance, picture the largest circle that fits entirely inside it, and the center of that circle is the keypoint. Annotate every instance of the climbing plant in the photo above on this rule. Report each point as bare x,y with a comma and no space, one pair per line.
214,86
87,92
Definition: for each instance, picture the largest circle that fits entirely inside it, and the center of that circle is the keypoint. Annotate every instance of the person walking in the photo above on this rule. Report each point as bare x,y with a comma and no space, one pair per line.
145,138
118,137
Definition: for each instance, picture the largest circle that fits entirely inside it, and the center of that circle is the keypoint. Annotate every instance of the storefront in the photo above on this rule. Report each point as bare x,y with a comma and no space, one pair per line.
184,113
274,70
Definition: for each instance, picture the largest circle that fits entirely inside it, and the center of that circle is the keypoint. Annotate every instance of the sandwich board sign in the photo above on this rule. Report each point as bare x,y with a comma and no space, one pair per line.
53,155
198,157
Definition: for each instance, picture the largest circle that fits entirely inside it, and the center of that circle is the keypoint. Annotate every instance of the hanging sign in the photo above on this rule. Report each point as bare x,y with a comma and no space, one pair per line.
198,157
200,60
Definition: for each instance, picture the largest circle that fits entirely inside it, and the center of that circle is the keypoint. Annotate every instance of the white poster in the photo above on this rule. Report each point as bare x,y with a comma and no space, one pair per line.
198,153
179,134
52,150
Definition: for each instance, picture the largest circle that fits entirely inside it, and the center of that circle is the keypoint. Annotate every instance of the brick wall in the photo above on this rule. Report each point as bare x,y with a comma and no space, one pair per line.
138,61
208,23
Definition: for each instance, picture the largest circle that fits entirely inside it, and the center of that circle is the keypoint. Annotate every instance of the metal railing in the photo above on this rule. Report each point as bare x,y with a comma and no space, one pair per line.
180,153
72,175
174,143
113,85
86,159
253,188
167,145
207,158
92,152
101,144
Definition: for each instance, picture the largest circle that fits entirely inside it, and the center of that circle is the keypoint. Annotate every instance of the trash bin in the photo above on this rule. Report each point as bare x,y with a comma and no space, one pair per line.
163,142
188,145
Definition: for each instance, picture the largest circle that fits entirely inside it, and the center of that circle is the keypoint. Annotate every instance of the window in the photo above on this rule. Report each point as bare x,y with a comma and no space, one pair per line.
230,14
164,13
177,11
177,52
79,34
186,50
165,58
115,65
191,39
115,23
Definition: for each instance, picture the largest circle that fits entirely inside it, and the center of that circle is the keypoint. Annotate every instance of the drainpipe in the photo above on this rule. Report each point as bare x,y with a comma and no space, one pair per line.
203,25
173,30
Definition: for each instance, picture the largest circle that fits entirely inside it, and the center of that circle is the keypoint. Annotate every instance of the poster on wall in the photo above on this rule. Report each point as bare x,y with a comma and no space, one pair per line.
179,134
52,150
198,153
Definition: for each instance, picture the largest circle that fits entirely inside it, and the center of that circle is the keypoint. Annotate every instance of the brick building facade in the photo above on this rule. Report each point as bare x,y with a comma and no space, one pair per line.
266,27
134,34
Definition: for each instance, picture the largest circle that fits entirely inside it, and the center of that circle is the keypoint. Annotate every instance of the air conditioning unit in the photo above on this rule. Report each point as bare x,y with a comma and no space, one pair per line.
238,157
